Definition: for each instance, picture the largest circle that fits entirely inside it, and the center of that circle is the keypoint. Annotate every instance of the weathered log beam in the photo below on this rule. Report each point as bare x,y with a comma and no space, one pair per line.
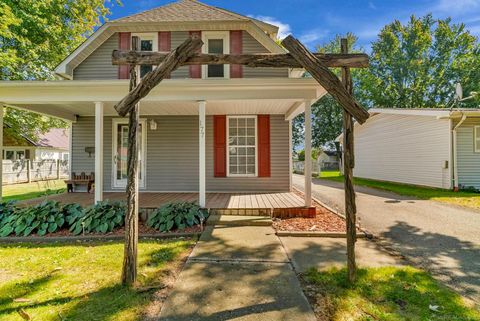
171,62
129,268
348,165
325,77
120,57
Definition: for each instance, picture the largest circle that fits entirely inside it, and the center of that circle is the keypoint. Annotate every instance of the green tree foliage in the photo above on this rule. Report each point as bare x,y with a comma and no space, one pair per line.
35,36
417,65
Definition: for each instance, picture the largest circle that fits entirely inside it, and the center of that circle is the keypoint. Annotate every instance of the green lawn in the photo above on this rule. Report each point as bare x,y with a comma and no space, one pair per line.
27,191
466,199
388,293
80,281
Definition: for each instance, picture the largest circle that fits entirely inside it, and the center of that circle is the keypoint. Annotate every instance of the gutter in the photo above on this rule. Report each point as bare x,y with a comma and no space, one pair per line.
455,156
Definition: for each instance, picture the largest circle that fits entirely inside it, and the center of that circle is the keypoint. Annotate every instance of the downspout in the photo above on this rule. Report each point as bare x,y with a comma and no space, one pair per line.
455,156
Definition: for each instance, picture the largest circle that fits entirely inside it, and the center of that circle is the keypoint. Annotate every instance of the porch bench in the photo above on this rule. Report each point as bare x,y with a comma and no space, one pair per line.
81,179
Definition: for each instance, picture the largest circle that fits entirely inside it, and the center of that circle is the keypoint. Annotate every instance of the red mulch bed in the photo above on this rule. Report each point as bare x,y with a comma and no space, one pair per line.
142,229
324,221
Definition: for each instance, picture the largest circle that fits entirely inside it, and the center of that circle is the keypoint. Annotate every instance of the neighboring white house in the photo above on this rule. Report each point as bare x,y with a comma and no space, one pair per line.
53,145
429,147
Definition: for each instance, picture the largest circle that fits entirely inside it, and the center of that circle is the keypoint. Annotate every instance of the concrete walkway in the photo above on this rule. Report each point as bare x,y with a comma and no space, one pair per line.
237,273
441,238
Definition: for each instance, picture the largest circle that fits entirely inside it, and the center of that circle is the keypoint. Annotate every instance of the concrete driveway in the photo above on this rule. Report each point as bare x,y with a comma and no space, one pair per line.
440,238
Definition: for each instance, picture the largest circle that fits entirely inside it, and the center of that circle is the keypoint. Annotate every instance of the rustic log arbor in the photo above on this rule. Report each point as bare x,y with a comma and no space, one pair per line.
186,54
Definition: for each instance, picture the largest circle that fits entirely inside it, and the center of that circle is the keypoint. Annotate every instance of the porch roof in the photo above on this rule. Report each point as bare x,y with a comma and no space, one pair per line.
68,99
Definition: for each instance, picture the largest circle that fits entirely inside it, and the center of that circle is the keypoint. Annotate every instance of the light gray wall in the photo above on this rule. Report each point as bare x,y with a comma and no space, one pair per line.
99,64
405,149
252,46
172,156
468,160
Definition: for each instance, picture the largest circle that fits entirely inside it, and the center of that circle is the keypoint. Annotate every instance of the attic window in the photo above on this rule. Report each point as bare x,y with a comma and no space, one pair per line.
148,42
216,43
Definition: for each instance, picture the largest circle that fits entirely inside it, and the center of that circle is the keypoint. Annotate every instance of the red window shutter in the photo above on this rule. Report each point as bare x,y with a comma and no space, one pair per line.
263,139
164,42
195,70
123,44
220,145
236,48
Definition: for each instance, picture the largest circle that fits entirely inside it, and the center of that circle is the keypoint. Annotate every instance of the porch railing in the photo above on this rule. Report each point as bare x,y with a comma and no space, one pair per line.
25,170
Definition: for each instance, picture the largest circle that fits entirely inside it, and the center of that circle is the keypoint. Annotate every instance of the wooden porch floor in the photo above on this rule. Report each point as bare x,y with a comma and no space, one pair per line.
214,200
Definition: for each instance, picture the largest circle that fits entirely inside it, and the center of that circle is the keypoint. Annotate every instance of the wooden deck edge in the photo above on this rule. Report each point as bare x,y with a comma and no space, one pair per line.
73,238
317,234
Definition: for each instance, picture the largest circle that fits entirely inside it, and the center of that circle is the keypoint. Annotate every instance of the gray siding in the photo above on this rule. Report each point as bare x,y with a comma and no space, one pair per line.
172,156
99,64
177,37
468,166
252,46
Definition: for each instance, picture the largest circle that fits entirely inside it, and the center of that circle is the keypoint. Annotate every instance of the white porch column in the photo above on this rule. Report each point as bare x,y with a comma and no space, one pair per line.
1,151
201,134
98,151
308,153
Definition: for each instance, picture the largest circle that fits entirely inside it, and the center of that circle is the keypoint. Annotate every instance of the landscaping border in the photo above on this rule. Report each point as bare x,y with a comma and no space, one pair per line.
317,234
74,238
334,211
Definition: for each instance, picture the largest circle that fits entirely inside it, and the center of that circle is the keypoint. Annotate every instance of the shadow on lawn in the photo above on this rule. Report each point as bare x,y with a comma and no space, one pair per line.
384,293
103,304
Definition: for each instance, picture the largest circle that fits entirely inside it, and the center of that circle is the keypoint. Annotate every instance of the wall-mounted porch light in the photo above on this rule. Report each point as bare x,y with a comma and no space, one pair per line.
153,124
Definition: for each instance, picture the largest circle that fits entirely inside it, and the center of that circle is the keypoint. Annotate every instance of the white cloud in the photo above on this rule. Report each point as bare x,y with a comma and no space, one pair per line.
283,28
372,5
312,37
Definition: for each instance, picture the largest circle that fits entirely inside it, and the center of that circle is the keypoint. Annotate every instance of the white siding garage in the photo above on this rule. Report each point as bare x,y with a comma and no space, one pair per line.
404,148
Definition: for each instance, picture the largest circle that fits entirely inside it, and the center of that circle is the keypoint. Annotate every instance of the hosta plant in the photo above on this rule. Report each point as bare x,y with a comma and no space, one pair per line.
102,217
179,215
43,218
6,209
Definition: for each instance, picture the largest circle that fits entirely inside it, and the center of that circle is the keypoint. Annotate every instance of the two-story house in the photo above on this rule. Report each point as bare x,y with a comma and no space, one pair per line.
206,129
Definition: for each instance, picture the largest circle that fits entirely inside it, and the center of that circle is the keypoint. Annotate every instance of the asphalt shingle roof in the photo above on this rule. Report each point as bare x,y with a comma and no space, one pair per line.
184,10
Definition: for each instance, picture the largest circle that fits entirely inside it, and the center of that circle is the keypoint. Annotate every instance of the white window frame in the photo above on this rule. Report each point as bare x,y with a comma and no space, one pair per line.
15,151
225,36
143,182
476,141
228,146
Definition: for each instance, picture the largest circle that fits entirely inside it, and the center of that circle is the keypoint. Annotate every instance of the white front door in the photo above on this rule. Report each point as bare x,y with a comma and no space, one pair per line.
119,152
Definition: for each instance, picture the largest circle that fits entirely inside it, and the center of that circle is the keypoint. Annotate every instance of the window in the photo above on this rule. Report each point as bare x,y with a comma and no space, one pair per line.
476,139
216,43
148,42
14,154
242,146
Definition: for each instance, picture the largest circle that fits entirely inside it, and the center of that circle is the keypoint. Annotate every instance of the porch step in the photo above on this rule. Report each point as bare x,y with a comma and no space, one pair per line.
242,211
239,220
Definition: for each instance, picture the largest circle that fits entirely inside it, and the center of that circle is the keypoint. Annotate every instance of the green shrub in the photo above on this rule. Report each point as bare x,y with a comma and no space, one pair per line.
46,217
102,217
176,216
7,209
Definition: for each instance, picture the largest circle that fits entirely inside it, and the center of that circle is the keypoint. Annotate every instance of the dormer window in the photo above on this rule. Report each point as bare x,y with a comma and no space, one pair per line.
216,42
148,42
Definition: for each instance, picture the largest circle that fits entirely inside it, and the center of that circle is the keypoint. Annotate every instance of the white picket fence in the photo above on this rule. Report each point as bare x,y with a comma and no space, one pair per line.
26,171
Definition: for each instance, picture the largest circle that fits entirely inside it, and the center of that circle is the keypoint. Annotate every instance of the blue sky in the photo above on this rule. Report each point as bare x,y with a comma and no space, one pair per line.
317,21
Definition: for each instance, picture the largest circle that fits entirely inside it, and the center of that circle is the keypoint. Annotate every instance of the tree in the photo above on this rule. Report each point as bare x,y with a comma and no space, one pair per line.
327,116
417,64
35,36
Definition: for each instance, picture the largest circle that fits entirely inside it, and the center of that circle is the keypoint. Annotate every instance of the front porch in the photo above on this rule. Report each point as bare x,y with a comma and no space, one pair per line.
226,203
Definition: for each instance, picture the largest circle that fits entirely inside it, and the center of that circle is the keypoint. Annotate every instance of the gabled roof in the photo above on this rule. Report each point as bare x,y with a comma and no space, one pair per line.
191,10
54,138
183,15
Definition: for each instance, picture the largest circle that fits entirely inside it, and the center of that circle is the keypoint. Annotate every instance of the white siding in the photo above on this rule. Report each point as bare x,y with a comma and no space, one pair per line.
468,160
404,148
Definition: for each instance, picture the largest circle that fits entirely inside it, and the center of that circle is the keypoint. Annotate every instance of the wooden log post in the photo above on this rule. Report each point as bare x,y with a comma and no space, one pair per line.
129,269
171,62
126,57
348,165
325,77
